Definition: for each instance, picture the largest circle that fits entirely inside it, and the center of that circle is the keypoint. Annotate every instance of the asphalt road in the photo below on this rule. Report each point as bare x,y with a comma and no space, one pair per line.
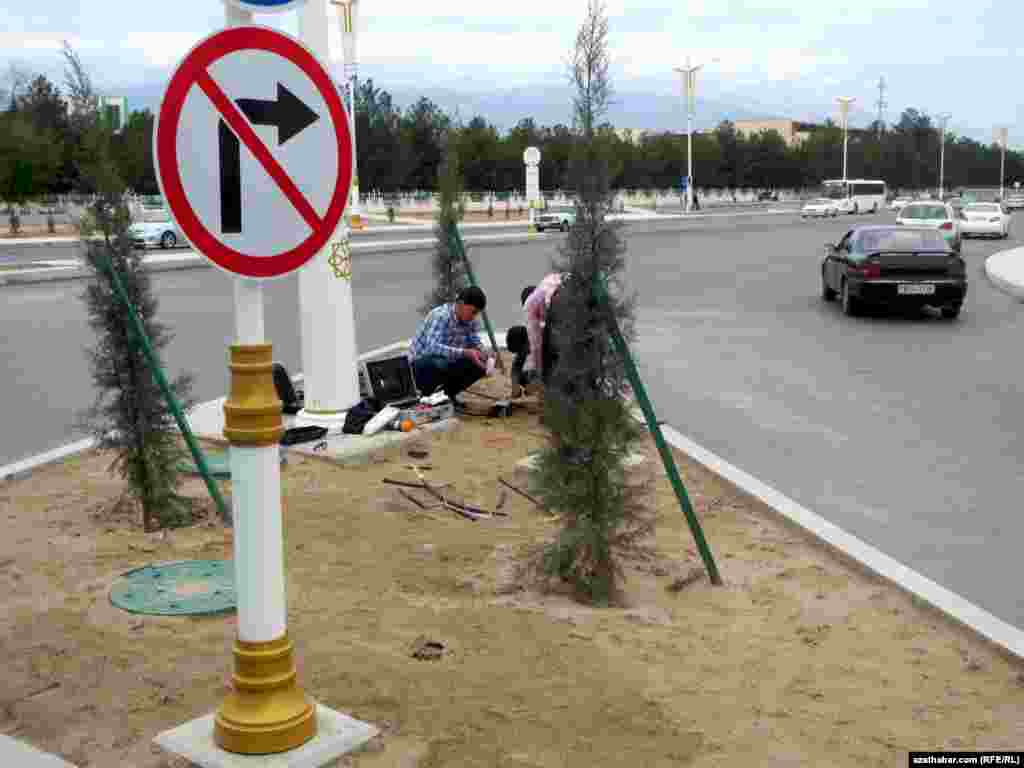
18,253
376,232
903,430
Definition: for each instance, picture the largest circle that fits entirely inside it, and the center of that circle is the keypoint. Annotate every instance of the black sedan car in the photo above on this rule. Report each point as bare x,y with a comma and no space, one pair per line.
894,266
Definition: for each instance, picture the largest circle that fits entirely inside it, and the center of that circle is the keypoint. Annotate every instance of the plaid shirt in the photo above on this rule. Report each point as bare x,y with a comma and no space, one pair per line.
442,333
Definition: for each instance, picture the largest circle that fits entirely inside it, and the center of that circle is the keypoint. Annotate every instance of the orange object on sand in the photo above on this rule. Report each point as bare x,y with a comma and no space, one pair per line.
407,425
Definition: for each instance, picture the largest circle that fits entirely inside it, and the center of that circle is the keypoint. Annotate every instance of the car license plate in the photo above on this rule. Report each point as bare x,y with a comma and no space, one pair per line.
916,289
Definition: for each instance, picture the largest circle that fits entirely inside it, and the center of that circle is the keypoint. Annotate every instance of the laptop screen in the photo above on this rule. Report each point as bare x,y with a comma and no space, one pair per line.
391,379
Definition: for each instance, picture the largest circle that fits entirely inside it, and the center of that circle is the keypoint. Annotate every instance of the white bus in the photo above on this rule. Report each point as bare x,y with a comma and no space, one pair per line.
856,195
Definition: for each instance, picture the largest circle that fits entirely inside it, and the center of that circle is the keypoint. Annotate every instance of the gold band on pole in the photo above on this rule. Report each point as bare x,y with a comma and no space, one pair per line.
252,413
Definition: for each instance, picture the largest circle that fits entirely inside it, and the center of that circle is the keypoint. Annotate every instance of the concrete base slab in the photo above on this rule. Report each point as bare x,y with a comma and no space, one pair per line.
357,449
207,421
17,754
336,735
332,422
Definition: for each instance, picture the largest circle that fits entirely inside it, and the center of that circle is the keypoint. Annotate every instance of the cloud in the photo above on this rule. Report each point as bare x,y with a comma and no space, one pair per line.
776,56
160,49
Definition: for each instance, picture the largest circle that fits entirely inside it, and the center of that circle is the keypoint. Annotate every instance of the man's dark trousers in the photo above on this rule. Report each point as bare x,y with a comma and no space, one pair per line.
433,372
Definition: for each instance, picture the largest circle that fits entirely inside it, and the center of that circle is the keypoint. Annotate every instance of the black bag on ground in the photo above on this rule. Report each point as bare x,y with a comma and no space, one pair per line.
292,401
297,435
359,414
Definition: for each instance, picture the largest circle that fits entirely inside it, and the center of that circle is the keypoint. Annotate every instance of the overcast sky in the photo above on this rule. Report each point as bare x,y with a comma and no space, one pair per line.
785,57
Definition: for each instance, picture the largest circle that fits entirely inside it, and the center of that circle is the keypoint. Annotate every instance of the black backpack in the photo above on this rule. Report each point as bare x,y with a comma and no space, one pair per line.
292,401
359,414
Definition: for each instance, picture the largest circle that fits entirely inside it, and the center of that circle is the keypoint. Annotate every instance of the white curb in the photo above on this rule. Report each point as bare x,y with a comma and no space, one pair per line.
1006,271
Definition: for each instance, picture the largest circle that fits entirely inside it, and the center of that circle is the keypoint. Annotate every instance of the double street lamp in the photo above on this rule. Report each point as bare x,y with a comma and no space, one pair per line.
943,119
349,17
1002,136
844,111
689,74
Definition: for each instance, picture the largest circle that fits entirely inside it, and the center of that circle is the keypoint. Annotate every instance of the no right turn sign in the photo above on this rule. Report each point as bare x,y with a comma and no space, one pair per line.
253,151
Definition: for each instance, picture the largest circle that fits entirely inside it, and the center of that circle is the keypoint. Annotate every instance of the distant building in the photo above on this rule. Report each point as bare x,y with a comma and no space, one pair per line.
115,111
793,132
637,135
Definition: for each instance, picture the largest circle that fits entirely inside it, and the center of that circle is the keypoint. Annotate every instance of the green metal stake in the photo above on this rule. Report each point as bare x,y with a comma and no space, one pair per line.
652,424
161,380
456,239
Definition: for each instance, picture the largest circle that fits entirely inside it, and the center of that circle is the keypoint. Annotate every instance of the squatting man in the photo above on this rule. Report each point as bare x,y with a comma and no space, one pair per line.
446,352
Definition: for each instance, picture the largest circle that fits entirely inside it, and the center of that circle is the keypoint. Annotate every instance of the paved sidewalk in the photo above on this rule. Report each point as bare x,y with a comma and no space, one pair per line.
1006,271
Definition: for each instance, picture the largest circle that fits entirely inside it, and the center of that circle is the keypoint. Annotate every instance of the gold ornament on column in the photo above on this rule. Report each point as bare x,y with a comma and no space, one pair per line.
341,259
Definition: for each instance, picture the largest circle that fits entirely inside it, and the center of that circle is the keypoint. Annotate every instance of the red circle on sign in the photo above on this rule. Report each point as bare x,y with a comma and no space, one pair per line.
192,69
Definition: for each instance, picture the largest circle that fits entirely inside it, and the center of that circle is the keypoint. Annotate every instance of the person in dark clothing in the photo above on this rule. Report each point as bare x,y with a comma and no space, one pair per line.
446,352
518,343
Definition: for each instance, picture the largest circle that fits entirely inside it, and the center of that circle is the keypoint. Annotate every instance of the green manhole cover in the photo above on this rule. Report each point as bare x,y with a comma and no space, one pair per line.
175,589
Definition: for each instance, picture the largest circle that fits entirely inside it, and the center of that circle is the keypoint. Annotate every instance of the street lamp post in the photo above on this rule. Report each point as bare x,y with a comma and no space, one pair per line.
844,111
689,74
943,118
348,12
1002,136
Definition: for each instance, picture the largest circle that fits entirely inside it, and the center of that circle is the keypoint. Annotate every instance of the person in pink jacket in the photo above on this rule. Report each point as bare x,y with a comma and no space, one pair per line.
536,308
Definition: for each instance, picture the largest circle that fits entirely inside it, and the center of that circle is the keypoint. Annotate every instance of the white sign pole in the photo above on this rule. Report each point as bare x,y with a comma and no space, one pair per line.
327,314
261,714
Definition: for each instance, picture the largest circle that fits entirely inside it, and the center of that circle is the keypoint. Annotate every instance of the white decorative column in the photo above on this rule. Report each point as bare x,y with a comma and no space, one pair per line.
327,315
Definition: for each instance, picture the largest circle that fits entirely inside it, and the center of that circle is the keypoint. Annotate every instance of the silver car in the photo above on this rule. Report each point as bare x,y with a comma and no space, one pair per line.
164,234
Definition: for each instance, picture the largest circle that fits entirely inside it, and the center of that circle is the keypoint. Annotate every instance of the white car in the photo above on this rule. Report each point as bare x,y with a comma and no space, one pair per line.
989,219
560,219
899,202
932,213
821,206
845,205
155,233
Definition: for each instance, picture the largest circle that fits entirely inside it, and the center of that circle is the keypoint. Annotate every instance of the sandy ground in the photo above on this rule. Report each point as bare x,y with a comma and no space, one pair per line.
799,660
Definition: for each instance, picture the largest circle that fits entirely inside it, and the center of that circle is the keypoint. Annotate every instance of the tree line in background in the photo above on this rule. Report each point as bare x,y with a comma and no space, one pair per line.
46,149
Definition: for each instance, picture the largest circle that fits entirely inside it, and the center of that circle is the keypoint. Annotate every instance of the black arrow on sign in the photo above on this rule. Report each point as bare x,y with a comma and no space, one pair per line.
289,113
